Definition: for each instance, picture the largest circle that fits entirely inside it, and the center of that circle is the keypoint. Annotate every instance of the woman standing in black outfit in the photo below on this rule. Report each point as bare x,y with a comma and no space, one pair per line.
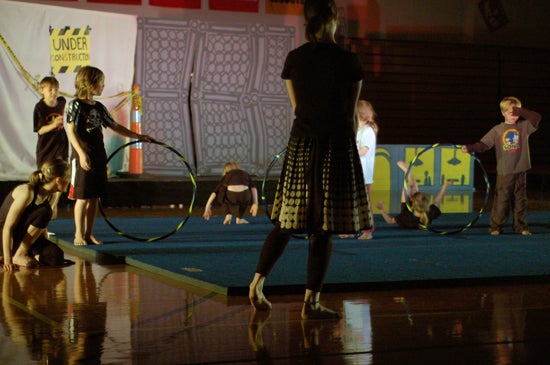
321,190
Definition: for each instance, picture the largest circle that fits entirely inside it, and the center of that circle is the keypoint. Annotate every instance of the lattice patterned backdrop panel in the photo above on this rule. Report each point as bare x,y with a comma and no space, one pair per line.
214,93
164,66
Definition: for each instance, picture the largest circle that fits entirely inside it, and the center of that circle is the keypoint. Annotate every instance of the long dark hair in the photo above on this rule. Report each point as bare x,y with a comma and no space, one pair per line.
318,15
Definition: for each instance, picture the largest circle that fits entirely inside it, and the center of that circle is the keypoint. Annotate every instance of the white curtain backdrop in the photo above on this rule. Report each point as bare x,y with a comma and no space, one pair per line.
25,28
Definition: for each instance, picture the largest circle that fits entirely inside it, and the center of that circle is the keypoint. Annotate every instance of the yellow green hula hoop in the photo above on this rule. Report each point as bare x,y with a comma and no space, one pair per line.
476,216
191,204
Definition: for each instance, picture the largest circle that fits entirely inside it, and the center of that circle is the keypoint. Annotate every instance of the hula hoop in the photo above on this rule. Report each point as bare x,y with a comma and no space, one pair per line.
479,213
267,171
263,194
180,224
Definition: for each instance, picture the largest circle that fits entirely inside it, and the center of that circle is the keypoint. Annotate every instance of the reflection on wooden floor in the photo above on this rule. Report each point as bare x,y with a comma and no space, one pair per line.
86,313
95,314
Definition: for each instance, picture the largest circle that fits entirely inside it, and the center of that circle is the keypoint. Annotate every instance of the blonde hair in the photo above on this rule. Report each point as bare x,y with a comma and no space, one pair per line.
48,81
49,171
509,101
231,165
363,108
420,203
86,80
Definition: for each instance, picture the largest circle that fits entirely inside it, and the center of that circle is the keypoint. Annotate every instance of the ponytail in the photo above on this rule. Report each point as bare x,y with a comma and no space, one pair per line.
318,15
49,171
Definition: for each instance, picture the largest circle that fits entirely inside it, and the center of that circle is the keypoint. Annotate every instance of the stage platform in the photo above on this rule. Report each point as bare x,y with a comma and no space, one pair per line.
221,258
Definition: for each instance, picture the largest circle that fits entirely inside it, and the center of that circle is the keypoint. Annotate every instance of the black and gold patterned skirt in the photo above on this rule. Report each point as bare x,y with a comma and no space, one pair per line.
321,188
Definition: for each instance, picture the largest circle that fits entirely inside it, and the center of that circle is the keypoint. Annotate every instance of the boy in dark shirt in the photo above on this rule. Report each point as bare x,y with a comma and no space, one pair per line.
52,141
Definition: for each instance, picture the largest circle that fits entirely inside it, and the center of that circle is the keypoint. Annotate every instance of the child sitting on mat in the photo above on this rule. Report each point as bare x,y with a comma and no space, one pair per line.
235,188
423,213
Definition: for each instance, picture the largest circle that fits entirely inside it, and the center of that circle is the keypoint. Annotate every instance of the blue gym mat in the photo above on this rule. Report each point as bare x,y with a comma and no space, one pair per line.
222,258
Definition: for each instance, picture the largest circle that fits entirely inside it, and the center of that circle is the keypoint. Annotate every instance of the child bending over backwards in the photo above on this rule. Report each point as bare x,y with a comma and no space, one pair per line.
235,188
423,213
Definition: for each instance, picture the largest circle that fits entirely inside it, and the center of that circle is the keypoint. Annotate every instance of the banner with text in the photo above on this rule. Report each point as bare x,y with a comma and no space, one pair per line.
69,49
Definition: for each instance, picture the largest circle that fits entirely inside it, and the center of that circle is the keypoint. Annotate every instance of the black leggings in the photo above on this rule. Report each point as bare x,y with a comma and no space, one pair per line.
242,199
320,251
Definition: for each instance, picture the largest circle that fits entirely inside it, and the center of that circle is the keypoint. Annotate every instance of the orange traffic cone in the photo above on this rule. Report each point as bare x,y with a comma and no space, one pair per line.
136,157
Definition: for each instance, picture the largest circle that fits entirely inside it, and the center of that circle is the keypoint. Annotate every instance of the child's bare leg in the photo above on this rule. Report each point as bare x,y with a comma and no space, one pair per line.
79,221
91,214
411,181
227,219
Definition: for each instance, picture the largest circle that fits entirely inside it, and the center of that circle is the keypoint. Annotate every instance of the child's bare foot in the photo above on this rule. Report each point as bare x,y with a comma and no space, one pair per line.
92,240
80,241
365,236
241,221
258,299
227,219
526,233
24,261
345,236
314,310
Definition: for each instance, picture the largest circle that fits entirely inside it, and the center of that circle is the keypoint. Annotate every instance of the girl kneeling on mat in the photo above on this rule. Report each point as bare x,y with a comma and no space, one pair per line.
25,214
235,189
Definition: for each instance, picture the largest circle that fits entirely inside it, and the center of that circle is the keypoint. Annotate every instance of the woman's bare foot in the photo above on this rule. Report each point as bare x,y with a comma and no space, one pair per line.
24,261
92,240
241,221
227,219
258,299
314,310
80,241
